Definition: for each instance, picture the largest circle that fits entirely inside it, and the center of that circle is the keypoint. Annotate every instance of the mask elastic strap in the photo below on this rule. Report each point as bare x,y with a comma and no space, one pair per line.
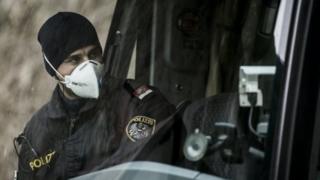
46,59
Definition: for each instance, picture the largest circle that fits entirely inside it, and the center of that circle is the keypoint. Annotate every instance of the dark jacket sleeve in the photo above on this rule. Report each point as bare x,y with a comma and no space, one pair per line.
24,171
25,155
29,142
158,145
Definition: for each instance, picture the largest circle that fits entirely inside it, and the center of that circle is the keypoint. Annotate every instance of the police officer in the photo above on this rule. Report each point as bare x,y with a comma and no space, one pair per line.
93,120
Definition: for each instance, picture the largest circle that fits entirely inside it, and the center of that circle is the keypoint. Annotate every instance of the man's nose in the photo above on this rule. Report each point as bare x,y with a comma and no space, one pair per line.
84,58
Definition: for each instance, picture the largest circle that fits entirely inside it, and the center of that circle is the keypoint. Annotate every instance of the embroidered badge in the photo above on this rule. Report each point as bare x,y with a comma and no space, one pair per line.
41,161
140,127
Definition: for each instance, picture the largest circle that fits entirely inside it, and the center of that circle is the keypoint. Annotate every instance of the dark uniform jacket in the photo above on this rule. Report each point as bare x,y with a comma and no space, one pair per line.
129,122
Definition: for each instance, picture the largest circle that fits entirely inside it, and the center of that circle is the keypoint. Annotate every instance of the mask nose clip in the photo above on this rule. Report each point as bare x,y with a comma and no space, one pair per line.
93,62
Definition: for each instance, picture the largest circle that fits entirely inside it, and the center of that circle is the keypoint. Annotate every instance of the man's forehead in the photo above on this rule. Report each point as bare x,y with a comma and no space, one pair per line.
84,50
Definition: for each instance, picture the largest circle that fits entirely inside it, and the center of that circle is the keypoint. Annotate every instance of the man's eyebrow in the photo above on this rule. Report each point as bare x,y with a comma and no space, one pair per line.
95,49
75,56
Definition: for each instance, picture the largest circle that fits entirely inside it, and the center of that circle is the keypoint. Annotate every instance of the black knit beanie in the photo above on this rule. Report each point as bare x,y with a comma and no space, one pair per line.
64,33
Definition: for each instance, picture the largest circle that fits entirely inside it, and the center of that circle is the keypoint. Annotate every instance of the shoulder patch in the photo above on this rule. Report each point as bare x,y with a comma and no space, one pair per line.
140,127
142,91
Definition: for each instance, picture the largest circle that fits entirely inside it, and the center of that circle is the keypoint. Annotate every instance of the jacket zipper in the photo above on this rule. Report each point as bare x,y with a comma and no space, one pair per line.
72,124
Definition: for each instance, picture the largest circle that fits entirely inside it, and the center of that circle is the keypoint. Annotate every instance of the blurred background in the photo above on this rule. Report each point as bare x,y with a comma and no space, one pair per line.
25,85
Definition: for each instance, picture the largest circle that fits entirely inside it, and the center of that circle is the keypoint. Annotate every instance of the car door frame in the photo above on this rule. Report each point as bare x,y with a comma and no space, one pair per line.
295,124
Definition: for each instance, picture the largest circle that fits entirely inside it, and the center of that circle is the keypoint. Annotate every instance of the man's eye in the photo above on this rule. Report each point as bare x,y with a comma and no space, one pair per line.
73,60
94,56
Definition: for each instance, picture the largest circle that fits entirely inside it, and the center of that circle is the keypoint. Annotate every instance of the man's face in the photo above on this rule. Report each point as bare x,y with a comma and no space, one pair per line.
90,52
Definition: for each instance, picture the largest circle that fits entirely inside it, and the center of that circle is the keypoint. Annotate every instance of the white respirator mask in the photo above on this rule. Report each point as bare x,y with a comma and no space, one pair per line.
84,79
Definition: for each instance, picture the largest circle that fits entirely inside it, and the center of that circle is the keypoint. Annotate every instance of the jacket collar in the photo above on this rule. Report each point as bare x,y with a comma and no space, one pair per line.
109,84
56,108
